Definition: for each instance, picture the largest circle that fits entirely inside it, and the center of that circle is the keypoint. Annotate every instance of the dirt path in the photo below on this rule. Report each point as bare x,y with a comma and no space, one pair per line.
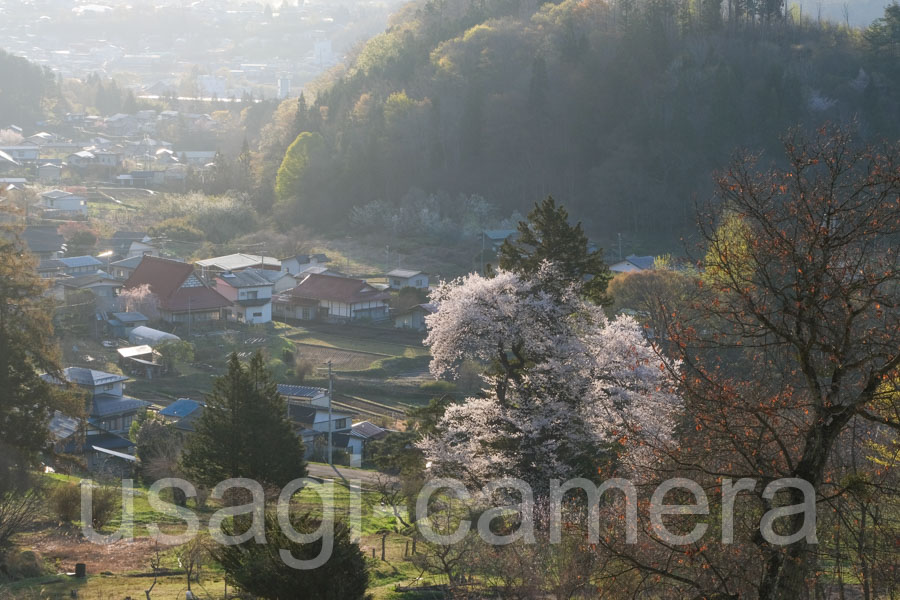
326,472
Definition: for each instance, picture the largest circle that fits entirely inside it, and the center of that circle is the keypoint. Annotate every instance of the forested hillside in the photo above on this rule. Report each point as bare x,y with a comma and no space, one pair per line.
27,92
620,110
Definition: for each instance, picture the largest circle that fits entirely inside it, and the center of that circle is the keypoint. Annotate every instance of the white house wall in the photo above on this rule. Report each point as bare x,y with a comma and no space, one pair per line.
250,313
337,309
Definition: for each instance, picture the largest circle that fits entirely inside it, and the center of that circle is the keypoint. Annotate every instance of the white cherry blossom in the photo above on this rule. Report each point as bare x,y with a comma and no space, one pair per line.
565,385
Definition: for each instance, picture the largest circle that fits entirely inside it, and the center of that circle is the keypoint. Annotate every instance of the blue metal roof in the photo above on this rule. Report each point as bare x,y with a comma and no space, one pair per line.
181,408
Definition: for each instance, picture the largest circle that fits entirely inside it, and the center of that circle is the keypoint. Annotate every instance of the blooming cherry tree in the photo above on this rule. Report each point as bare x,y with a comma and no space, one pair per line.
564,386
139,298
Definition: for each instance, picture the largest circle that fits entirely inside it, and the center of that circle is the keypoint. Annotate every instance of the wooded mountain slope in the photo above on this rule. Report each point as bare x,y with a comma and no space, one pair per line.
621,110
27,92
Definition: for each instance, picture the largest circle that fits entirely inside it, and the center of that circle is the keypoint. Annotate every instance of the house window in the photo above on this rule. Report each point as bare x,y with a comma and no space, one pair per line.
252,295
108,387
126,421
257,314
340,423
306,314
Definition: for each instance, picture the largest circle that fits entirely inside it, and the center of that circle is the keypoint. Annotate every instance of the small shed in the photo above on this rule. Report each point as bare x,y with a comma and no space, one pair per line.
414,317
122,323
140,361
151,337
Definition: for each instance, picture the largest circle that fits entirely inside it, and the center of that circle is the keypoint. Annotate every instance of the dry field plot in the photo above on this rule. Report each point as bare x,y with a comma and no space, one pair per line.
341,360
67,548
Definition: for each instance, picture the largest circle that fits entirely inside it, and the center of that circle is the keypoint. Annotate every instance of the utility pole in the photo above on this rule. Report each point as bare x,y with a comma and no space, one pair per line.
482,251
330,421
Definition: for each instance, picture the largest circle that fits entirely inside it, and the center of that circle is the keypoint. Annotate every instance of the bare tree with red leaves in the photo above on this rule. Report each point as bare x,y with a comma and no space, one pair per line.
798,335
790,357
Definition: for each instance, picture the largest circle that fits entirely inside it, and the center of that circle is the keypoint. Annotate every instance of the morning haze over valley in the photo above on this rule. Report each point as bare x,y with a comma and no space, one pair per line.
450,299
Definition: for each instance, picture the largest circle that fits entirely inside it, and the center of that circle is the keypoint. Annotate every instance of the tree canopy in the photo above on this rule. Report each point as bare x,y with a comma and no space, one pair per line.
244,431
790,355
547,236
565,386
622,110
34,93
27,350
260,570
295,183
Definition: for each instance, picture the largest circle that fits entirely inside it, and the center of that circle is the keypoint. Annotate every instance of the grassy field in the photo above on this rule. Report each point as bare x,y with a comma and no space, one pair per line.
123,569
112,587
384,577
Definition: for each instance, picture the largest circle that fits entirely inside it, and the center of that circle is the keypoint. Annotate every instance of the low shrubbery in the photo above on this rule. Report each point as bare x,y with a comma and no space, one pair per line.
65,502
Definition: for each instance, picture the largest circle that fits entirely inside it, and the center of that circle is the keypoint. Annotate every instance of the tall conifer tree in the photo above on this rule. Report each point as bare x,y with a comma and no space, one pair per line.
547,236
244,431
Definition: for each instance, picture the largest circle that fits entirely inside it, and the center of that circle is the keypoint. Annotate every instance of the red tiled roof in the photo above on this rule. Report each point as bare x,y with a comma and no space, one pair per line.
195,298
164,275
288,298
337,289
165,278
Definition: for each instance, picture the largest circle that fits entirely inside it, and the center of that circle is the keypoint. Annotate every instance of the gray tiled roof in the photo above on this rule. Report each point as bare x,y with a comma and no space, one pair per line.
87,377
105,405
366,430
247,278
299,391
80,261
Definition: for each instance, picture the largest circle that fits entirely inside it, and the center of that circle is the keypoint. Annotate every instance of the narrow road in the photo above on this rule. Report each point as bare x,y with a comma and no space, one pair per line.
367,478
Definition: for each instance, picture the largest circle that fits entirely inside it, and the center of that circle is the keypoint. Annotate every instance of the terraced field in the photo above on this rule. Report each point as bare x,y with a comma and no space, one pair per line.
375,340
367,409
341,359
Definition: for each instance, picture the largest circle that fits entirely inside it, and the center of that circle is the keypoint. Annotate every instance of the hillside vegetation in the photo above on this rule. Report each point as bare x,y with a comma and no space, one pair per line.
27,91
621,110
